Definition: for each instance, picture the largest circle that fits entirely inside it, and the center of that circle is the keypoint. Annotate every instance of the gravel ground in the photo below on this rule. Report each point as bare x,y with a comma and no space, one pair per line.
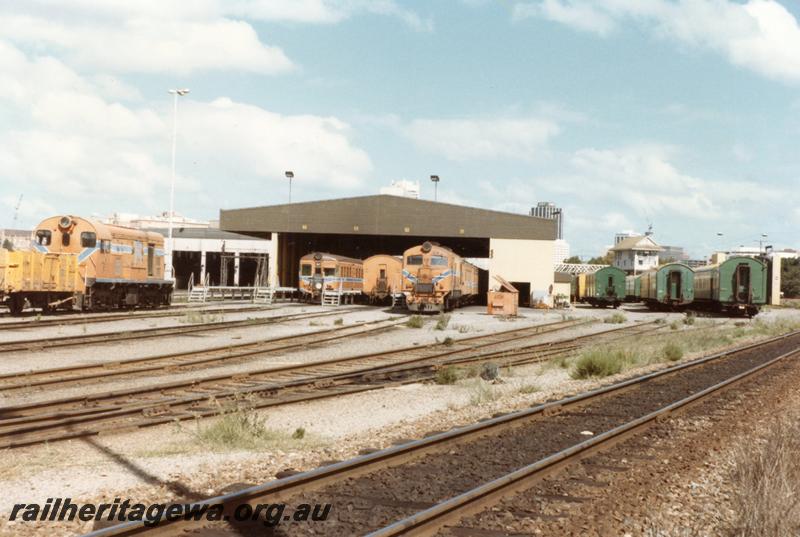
147,464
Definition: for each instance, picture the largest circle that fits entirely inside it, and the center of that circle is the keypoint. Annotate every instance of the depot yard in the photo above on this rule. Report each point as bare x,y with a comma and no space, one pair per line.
476,366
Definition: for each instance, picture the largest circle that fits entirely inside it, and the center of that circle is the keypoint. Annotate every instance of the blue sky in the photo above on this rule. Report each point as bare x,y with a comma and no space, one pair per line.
683,114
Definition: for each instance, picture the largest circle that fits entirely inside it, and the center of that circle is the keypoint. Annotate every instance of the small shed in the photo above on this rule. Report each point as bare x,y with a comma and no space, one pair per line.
503,301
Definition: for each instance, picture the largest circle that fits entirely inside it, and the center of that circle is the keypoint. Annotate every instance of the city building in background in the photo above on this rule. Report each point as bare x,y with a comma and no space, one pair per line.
403,188
546,209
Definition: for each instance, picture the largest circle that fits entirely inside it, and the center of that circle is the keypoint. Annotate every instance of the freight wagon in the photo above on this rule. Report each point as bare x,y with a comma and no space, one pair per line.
633,288
605,287
737,285
667,287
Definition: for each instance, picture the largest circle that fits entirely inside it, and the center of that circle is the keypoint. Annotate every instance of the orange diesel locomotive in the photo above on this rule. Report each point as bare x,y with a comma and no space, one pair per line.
322,273
383,276
437,279
117,267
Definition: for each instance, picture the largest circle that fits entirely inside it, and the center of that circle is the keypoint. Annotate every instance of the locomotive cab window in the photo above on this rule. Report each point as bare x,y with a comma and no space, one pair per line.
88,239
305,270
414,260
438,260
105,245
43,237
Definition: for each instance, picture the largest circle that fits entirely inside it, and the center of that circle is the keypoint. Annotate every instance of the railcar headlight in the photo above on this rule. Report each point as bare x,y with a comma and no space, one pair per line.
65,222
318,285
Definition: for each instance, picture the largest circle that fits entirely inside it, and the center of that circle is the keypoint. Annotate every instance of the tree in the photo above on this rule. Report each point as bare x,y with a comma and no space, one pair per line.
607,259
790,278
8,245
574,259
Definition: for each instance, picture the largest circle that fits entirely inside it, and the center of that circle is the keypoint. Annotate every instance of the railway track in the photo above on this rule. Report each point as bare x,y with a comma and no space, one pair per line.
142,333
91,414
420,487
67,319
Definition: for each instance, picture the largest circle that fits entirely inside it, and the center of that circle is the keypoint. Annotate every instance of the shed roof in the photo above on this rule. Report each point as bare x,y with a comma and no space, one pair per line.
387,215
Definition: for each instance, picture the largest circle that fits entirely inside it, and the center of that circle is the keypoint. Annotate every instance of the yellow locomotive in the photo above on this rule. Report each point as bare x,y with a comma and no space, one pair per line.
329,274
79,263
437,279
383,276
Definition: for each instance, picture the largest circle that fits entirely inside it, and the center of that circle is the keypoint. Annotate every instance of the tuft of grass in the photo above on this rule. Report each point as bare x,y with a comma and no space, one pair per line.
446,375
448,341
235,430
339,322
766,479
482,392
415,321
673,351
314,323
442,321
660,320
528,389
600,362
242,429
689,319
462,329
617,318
673,325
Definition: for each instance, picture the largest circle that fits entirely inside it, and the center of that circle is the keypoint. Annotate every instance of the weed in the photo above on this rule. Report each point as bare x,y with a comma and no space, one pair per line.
483,392
673,325
448,341
415,321
462,329
617,318
446,375
528,388
600,362
673,351
766,479
339,322
299,433
689,319
661,321
314,323
442,321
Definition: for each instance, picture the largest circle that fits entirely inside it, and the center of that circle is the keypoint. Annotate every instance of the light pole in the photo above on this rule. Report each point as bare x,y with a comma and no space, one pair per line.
289,175
761,241
435,180
168,261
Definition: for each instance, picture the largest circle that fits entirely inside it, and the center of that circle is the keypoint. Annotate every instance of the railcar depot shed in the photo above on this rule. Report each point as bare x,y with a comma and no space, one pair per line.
518,247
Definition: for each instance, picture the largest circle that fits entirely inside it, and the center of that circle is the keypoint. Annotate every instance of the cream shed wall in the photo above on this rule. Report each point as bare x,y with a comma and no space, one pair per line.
519,260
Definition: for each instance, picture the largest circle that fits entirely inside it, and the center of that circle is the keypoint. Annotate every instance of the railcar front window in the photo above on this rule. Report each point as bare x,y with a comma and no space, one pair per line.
64,238
43,237
329,271
414,260
88,239
305,270
438,260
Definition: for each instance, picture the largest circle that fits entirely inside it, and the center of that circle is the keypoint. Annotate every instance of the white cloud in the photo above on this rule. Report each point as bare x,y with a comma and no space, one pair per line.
482,139
149,45
241,139
760,35
70,144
